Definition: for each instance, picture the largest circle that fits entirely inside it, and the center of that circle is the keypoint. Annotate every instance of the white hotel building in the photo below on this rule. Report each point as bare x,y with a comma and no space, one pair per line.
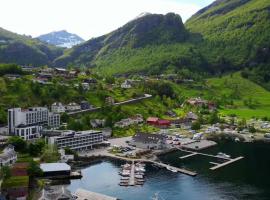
27,123
77,140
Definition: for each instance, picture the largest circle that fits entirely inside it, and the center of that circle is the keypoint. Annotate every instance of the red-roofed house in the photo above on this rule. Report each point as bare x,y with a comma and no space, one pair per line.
152,120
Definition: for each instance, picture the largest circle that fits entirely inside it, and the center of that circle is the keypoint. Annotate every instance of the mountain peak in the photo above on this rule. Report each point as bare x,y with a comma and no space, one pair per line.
61,38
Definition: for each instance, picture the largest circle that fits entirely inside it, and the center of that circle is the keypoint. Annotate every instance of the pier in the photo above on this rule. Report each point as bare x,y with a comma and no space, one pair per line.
180,170
193,153
132,175
160,164
217,165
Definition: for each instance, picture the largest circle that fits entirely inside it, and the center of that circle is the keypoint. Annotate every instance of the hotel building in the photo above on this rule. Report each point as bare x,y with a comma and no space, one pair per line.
77,140
27,123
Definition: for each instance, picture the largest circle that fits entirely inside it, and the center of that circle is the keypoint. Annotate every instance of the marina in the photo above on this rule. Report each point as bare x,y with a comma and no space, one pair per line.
132,174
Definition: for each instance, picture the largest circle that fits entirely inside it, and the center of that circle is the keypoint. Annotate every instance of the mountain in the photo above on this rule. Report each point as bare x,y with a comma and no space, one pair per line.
24,50
149,42
236,33
61,39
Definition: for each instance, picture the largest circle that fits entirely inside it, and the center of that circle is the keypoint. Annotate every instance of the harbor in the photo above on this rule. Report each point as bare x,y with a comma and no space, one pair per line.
132,174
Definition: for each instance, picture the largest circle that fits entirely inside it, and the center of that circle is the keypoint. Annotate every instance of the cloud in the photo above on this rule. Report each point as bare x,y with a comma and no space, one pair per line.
87,18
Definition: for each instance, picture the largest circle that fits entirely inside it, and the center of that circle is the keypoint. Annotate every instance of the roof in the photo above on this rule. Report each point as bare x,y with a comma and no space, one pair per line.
152,119
51,167
148,138
87,195
164,122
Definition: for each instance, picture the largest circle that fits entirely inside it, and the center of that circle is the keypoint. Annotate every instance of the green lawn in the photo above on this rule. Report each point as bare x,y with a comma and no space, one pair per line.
241,90
16,181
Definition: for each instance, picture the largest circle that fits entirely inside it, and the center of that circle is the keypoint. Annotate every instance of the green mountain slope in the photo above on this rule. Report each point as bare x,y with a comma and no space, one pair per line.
236,32
23,50
152,42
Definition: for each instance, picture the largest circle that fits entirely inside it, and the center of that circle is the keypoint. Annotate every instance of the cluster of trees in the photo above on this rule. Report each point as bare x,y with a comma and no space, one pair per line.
33,149
10,69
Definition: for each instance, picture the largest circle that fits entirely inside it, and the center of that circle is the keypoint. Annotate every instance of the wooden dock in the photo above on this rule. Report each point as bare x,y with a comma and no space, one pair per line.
189,155
226,163
160,164
132,175
180,170
217,165
203,154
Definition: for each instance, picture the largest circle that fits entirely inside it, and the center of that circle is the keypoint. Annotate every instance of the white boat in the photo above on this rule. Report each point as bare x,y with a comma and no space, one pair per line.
223,155
171,169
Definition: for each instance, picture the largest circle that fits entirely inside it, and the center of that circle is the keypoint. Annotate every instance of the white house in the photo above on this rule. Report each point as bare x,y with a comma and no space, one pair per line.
126,84
8,157
58,107
73,107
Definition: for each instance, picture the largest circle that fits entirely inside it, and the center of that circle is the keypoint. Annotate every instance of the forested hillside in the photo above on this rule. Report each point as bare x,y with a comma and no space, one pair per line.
24,50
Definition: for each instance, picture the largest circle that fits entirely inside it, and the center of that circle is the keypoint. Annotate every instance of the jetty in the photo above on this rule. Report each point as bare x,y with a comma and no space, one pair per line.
193,153
132,175
227,160
219,165
180,170
160,164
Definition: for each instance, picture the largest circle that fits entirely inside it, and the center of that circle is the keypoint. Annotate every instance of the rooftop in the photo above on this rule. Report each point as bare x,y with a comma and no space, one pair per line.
87,195
51,167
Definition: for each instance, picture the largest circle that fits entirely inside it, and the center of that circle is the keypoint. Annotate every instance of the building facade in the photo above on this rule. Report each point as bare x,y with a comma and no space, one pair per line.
77,140
27,123
58,107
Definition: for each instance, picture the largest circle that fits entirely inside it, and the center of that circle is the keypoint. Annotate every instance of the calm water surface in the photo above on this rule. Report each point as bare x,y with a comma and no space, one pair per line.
243,180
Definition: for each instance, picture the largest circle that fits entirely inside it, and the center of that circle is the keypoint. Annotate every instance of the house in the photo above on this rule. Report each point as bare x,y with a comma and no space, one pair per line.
126,84
197,102
109,101
61,71
55,169
158,122
97,123
85,105
152,120
191,116
129,121
73,107
55,192
149,141
12,77
58,107
85,86
8,156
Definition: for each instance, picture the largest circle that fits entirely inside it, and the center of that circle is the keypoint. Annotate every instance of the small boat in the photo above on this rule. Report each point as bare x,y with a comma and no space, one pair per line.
171,169
223,155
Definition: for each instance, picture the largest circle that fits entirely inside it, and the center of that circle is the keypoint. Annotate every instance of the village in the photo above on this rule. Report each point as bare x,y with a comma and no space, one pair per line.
40,146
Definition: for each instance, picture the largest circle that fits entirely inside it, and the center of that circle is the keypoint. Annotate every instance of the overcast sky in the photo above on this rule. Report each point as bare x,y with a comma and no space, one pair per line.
87,18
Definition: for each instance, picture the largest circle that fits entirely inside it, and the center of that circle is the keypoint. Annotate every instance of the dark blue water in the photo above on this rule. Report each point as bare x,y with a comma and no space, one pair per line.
243,180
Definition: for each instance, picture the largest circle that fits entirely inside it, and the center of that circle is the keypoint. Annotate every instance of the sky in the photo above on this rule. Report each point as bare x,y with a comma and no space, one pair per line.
87,18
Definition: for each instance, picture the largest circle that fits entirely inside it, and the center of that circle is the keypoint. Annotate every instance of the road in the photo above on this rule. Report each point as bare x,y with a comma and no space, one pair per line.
146,96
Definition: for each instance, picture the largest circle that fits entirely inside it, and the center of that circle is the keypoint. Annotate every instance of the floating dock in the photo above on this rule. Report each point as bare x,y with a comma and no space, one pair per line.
217,165
189,155
226,163
180,170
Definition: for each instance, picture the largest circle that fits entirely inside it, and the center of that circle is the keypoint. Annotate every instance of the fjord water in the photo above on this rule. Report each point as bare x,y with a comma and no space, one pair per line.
246,179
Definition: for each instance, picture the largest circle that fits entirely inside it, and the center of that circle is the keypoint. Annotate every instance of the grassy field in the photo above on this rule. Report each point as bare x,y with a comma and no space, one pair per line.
249,99
16,181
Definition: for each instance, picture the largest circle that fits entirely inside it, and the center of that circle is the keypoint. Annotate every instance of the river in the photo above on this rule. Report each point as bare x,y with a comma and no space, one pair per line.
246,179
